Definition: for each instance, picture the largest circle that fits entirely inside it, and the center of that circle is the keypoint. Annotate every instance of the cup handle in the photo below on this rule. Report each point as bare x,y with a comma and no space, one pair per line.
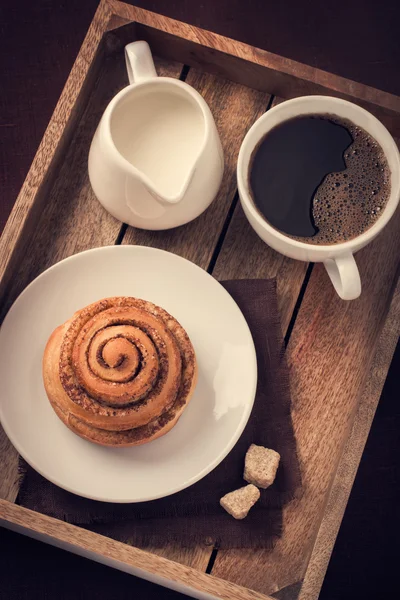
343,273
139,62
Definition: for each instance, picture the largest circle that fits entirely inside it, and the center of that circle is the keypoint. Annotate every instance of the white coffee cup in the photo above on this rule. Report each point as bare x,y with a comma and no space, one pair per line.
337,258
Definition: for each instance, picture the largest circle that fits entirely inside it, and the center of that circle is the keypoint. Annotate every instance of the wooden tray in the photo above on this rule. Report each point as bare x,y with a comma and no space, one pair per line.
338,352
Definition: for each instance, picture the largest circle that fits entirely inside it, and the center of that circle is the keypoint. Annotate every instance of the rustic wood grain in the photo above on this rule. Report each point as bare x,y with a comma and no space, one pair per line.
339,353
192,555
32,196
251,66
196,556
330,359
235,108
121,556
245,255
350,460
9,478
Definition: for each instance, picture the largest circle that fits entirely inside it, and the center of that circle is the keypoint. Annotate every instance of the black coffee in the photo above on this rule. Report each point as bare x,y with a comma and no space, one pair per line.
319,179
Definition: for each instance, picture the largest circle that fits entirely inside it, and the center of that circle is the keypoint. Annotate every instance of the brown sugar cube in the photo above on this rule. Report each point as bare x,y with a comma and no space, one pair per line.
239,502
260,466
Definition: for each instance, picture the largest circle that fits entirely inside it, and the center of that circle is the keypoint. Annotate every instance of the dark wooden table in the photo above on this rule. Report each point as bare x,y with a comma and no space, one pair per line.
358,40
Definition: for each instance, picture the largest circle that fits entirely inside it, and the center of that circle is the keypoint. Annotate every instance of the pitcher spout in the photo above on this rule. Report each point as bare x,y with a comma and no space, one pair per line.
170,199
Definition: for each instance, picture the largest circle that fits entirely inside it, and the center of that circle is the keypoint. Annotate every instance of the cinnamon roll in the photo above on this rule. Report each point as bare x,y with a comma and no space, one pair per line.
120,372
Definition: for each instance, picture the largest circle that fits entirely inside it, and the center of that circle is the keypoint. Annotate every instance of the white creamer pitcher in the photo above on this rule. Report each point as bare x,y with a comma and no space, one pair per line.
156,159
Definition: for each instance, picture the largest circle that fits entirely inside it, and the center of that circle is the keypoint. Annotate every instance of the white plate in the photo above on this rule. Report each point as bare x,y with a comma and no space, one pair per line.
209,427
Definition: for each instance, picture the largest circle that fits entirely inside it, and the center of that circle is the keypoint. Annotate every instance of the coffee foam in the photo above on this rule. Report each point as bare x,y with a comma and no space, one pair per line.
349,202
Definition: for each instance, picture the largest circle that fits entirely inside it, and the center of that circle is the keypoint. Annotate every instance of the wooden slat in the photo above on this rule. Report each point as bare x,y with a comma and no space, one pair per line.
9,477
330,358
121,556
196,556
197,240
72,220
251,66
350,460
244,255
234,108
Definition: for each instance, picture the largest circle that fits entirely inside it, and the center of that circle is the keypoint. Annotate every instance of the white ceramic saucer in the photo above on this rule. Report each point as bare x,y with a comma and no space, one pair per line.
209,427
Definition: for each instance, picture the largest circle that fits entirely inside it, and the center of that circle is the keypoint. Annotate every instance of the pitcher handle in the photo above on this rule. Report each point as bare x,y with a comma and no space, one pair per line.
139,62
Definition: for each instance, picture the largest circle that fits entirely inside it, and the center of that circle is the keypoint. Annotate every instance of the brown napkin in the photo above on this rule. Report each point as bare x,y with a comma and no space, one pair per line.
194,514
